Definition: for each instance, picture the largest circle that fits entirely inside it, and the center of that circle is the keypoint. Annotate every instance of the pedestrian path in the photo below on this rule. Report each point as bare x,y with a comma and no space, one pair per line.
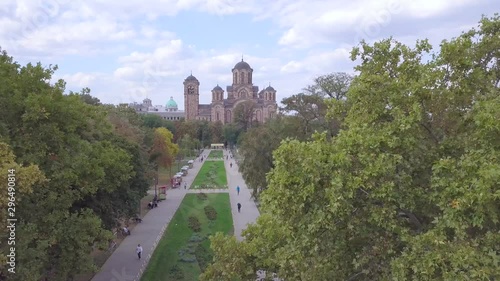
123,265
221,190
249,211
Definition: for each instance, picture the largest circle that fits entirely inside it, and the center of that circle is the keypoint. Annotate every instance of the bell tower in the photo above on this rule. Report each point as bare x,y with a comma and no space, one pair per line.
191,97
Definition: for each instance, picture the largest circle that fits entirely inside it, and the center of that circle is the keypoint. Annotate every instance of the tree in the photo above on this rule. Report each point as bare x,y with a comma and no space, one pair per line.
24,179
82,157
86,97
257,146
408,190
311,109
217,132
189,127
204,133
244,115
154,121
334,85
231,134
188,146
164,151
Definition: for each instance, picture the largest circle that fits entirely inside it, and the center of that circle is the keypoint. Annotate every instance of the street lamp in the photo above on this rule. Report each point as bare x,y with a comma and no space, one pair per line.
156,181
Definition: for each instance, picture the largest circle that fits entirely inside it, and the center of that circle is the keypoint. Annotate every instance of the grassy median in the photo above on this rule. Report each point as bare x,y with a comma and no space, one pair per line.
184,250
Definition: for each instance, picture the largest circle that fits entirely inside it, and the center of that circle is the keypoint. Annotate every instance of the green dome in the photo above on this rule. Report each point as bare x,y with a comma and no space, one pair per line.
171,103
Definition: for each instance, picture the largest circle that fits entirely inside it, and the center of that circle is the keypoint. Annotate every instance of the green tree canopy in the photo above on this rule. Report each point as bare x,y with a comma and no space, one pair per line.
90,158
408,190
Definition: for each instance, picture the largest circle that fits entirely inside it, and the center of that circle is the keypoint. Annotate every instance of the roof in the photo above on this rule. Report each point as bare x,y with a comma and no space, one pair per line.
242,65
171,103
217,88
191,78
270,89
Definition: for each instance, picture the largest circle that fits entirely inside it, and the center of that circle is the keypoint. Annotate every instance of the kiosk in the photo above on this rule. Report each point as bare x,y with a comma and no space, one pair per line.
190,164
176,180
184,170
217,146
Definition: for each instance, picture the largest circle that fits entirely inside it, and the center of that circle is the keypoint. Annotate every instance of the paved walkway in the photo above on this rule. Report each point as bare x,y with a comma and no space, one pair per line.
249,211
123,264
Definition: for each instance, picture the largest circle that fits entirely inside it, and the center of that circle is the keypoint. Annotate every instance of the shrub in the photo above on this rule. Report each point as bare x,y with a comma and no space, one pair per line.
196,237
211,213
203,256
176,273
194,224
201,195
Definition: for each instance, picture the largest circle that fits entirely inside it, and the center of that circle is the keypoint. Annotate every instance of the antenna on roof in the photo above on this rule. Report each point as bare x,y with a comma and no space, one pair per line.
241,57
191,73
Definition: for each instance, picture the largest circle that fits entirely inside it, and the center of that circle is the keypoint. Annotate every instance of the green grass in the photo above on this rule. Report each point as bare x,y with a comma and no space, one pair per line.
216,154
211,175
178,234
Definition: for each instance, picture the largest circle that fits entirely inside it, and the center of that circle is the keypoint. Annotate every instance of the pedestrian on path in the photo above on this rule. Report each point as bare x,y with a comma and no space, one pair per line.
239,207
231,165
139,250
185,185
238,189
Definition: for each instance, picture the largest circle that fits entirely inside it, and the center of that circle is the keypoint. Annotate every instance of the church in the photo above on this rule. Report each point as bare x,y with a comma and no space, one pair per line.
222,106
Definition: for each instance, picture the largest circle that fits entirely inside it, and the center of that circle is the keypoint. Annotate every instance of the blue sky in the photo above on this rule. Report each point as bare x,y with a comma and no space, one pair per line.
125,51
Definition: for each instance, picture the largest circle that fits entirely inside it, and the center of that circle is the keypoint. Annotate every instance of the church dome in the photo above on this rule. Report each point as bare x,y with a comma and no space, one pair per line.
191,78
271,89
217,88
171,104
242,65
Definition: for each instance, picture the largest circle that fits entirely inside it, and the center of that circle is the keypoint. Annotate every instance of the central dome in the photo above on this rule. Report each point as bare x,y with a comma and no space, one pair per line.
242,65
171,104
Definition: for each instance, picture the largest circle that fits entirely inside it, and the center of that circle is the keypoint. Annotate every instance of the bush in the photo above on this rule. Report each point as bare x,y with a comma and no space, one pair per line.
187,254
211,213
196,237
201,195
203,256
194,224
176,273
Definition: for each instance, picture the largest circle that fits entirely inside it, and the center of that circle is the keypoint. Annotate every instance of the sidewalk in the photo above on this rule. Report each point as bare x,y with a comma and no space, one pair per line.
123,265
249,212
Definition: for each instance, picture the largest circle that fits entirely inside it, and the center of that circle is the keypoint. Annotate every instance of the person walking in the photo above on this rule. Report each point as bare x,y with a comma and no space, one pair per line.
231,165
239,208
139,250
238,189
185,185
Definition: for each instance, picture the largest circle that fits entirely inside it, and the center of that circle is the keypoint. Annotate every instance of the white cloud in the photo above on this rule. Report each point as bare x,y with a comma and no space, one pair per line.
292,67
80,80
314,38
126,72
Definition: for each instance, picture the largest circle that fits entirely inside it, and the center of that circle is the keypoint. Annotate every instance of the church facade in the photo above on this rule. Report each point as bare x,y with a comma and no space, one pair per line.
222,106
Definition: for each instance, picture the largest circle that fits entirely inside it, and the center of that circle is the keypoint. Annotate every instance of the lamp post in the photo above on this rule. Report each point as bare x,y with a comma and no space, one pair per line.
156,182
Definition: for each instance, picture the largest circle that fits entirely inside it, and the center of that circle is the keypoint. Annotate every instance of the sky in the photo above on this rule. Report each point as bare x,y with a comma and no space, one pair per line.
127,50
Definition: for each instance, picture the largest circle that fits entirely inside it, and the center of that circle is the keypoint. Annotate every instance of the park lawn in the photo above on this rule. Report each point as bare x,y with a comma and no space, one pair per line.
178,234
211,175
216,154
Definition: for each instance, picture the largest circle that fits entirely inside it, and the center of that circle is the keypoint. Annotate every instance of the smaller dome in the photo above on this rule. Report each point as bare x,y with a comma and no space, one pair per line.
191,78
171,103
271,89
242,65
217,88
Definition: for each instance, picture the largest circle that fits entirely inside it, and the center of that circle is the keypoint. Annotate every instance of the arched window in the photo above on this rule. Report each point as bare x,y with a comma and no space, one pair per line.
241,78
235,78
249,79
217,116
